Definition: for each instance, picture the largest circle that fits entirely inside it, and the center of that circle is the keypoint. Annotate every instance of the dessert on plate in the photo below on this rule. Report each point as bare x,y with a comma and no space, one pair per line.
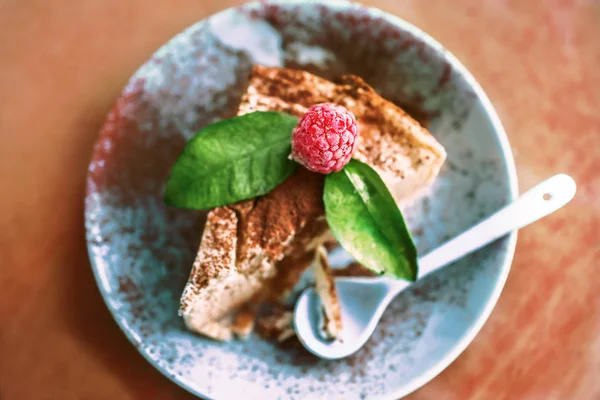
255,250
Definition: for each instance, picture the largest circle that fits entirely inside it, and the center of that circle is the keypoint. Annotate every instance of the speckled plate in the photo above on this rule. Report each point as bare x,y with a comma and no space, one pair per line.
142,251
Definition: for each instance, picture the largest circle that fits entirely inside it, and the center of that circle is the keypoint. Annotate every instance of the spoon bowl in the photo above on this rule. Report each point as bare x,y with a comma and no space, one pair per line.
362,300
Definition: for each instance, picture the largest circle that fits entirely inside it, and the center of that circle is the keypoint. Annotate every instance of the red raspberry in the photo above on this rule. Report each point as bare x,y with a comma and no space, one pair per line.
325,138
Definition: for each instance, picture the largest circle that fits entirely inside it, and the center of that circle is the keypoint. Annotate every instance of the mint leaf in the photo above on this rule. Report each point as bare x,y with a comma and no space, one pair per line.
233,160
365,219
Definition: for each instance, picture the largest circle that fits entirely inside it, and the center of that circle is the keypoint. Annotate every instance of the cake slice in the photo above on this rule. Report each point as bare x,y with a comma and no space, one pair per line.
405,154
325,287
258,248
240,246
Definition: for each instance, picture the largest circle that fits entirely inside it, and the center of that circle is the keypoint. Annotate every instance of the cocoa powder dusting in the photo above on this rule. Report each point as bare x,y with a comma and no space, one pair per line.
291,210
129,289
243,322
273,319
218,232
289,271
353,269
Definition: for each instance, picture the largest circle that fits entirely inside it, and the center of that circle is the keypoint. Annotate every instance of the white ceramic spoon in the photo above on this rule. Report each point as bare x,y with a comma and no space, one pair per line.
363,300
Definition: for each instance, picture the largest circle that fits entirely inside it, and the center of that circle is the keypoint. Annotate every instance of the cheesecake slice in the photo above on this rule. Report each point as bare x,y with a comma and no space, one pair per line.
257,249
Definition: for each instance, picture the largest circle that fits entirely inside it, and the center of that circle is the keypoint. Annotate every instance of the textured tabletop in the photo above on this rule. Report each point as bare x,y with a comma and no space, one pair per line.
64,62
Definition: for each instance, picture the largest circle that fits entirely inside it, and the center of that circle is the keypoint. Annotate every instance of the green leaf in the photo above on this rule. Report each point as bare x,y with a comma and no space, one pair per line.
365,219
233,160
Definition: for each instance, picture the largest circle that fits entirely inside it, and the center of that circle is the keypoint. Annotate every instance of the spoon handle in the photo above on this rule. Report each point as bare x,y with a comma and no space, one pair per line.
534,204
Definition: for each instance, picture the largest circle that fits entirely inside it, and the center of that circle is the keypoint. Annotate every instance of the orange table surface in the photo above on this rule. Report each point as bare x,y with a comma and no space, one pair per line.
64,62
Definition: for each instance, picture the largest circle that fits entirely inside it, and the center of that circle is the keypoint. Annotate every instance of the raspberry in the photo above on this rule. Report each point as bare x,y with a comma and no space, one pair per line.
325,138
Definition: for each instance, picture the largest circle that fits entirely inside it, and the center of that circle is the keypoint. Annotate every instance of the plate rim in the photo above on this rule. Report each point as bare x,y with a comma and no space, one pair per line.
507,155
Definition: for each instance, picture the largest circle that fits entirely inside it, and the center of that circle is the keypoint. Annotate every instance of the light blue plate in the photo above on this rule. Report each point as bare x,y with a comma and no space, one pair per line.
142,251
